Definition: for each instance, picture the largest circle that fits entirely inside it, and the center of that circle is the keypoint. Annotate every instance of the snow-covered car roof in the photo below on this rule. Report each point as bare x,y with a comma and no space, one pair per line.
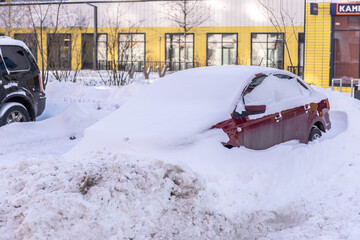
176,108
8,41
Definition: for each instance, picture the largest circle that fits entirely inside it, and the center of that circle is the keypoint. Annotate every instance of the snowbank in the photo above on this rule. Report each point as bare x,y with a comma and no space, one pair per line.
198,190
108,196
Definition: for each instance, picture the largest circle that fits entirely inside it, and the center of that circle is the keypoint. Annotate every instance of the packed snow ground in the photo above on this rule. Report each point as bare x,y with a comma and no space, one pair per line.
198,191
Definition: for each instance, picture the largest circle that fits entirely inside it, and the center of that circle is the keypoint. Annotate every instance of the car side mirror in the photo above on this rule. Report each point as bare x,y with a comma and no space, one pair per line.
255,109
250,110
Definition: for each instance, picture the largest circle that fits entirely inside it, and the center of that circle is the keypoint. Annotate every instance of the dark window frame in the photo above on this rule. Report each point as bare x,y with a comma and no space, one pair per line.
267,42
301,40
118,43
58,67
182,34
82,45
222,33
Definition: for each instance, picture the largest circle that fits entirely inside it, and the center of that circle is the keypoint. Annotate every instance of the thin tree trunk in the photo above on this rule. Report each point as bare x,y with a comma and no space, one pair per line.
185,30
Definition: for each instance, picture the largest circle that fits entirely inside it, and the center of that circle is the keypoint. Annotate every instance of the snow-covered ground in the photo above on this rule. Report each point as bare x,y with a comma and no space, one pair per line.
195,191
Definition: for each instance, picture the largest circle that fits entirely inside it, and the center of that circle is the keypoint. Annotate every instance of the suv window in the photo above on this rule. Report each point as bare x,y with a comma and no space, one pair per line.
2,66
15,58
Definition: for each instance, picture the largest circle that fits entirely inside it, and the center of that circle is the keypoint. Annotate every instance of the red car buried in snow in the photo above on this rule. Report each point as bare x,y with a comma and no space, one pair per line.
275,108
257,107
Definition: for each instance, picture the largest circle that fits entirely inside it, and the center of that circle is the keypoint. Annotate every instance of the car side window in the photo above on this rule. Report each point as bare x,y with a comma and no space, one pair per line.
15,58
276,89
261,94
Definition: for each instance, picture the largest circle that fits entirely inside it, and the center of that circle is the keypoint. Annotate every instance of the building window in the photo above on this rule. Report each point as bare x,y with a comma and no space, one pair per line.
176,52
87,50
59,51
222,48
30,40
301,55
131,49
267,49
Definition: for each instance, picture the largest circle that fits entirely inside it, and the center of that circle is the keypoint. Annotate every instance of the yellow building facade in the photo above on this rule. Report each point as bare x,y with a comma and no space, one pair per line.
236,32
332,38
155,42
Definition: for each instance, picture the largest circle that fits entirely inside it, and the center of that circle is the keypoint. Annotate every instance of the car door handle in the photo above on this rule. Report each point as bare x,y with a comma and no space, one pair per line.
278,117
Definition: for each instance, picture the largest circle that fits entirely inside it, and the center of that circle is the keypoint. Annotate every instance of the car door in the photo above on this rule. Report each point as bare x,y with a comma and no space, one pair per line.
296,116
3,80
263,130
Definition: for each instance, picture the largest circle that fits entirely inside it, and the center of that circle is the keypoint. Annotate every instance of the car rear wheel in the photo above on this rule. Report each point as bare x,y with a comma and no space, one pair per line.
315,133
13,112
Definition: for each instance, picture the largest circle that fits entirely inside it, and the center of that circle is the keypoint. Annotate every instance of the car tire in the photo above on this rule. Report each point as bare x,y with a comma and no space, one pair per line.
13,112
315,133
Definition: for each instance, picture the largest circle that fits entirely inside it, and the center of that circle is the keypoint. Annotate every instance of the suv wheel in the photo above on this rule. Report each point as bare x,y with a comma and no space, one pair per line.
13,112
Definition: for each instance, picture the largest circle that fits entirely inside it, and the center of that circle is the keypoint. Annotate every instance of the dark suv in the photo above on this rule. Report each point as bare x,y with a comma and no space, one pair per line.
22,97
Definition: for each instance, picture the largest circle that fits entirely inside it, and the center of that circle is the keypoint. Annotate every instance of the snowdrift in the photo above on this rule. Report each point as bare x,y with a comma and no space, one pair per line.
198,190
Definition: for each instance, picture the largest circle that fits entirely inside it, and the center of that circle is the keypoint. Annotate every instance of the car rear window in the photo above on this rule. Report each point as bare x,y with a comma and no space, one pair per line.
15,58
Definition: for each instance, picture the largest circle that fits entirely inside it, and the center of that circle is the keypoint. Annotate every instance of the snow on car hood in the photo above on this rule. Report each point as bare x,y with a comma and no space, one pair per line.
174,109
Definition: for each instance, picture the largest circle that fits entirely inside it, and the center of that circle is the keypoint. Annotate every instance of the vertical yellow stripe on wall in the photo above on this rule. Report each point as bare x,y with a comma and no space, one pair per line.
318,46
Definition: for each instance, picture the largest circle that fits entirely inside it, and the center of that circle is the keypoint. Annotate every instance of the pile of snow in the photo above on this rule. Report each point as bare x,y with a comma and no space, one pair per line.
99,77
45,137
197,190
60,94
108,196
70,109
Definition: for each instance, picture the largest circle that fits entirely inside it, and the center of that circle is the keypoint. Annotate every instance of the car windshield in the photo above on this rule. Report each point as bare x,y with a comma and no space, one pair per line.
254,83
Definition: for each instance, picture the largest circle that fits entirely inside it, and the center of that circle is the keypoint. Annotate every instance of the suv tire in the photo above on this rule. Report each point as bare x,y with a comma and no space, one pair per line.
13,112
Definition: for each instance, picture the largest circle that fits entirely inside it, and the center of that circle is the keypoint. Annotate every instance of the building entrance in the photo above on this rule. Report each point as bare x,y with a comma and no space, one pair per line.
346,47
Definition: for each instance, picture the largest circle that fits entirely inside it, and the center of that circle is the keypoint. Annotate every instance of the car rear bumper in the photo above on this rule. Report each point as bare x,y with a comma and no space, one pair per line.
327,121
41,103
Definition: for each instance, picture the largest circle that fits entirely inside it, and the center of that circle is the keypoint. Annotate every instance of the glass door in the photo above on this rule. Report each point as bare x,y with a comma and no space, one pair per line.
346,54
346,47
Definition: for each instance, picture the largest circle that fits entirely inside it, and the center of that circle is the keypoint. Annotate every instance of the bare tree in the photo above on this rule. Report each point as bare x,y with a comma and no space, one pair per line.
10,18
60,71
279,20
56,22
42,19
118,73
186,14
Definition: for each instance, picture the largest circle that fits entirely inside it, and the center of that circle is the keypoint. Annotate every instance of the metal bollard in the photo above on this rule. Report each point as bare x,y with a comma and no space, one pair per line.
340,84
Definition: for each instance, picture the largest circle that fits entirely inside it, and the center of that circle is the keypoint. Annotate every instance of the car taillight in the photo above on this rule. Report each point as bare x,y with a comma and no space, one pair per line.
327,104
40,83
